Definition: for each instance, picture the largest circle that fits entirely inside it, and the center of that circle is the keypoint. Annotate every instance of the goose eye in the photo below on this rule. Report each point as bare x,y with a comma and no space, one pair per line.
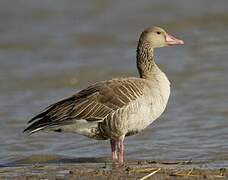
158,32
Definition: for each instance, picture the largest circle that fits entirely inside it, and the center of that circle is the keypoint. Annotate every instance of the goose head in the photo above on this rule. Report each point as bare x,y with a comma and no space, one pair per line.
157,37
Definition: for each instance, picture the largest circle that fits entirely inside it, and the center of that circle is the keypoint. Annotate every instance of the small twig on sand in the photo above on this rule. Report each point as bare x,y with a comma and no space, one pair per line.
218,176
150,174
143,170
179,173
190,172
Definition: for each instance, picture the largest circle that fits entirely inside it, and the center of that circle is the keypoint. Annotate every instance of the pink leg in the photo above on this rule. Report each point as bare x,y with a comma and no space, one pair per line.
117,147
114,151
120,152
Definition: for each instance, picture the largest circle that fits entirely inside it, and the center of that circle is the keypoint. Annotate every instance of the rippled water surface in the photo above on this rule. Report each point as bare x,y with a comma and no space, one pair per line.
51,49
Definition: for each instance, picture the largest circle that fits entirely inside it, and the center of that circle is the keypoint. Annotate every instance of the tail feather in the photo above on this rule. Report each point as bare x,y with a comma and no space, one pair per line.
49,118
44,114
37,125
46,123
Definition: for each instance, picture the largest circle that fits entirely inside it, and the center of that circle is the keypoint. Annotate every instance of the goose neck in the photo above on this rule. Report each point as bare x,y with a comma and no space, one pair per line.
145,60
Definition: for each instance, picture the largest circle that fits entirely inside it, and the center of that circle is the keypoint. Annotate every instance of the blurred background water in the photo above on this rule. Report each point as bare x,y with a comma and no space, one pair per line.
50,49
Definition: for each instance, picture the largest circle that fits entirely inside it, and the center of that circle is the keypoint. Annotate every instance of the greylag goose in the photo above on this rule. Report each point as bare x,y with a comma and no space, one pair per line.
116,108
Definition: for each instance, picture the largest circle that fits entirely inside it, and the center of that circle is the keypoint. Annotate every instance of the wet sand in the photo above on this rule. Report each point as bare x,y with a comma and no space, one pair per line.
132,170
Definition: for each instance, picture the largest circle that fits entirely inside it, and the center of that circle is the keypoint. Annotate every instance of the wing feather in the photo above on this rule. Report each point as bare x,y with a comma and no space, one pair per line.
94,103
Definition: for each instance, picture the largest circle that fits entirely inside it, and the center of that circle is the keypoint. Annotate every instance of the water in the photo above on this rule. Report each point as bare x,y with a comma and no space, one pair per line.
51,49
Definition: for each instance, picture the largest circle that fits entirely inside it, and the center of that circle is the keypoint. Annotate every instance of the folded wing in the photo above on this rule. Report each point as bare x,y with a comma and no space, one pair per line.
94,103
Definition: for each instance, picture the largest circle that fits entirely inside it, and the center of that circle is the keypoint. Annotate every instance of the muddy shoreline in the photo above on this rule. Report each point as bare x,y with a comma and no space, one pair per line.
133,169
